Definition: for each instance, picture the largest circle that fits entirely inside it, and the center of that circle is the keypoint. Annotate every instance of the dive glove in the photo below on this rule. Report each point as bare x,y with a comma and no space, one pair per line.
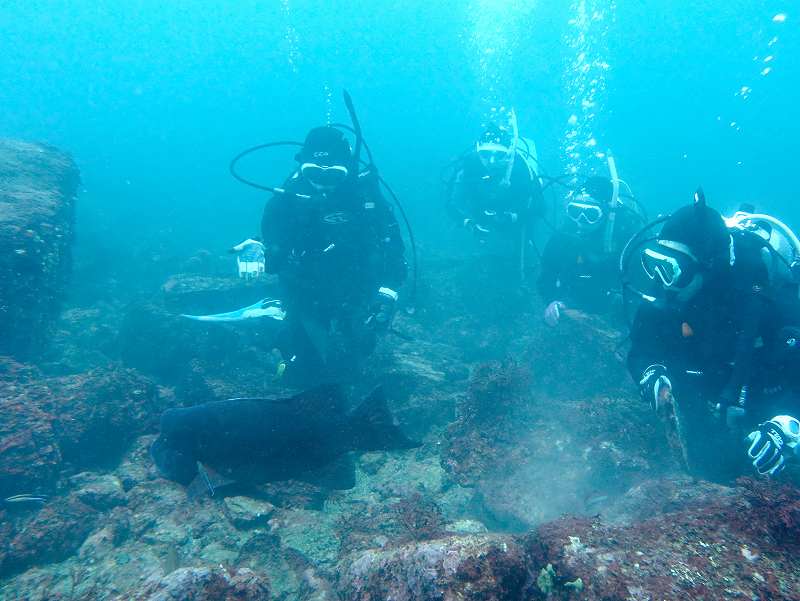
772,443
552,314
655,387
384,308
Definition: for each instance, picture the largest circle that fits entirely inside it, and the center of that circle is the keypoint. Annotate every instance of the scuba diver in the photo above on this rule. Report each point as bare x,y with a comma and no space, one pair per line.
495,191
715,338
336,247
579,263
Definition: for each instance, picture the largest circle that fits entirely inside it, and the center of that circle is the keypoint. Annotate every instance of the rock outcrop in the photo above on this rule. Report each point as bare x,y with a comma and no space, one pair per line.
205,584
69,423
38,185
468,568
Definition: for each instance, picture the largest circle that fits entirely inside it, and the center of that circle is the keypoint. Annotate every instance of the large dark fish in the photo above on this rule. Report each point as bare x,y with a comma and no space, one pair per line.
304,437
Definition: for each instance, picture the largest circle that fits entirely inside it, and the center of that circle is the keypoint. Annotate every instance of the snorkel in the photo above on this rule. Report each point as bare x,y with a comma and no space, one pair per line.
348,102
608,241
512,150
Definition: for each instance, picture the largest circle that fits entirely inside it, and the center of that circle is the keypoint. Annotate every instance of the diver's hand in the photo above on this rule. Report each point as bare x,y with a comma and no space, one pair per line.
552,314
773,443
655,387
246,244
383,309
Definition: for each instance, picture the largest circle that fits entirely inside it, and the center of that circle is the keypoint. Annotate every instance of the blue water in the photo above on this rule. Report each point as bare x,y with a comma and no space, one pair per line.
153,98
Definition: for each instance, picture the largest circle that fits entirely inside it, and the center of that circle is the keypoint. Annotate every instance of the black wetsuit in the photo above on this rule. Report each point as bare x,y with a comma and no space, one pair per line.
732,334
578,271
482,197
332,253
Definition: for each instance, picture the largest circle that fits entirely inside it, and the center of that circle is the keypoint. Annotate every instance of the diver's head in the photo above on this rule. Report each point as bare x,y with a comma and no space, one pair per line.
693,248
325,159
496,147
589,207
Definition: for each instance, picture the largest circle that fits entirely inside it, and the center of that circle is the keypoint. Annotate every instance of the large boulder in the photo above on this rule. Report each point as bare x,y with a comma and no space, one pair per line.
205,584
718,543
468,568
512,442
38,185
204,361
55,533
76,422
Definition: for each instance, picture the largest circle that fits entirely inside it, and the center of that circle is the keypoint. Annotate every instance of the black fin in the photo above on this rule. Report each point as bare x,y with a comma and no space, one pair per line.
374,428
699,197
327,398
340,474
207,482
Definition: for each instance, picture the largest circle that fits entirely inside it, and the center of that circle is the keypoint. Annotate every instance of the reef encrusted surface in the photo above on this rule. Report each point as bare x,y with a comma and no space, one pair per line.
530,483
38,186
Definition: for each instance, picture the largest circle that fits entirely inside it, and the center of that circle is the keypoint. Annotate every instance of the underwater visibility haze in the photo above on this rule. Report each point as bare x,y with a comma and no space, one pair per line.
510,312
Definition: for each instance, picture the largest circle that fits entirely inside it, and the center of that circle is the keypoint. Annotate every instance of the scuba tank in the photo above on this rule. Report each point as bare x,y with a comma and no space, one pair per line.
780,245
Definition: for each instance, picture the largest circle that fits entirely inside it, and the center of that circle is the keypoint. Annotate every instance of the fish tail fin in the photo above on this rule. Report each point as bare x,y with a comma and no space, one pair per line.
375,428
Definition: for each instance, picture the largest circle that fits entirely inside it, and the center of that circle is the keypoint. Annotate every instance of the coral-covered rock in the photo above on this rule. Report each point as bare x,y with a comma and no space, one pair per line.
102,492
205,584
735,544
38,185
204,361
57,531
199,295
83,420
100,413
581,344
246,513
466,568
512,443
30,457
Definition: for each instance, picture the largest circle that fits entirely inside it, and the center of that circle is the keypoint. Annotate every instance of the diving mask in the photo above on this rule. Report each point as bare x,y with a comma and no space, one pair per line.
493,154
324,177
585,213
670,262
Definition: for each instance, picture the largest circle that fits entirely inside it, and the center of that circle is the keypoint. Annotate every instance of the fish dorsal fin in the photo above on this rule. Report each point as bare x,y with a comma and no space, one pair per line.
323,399
699,197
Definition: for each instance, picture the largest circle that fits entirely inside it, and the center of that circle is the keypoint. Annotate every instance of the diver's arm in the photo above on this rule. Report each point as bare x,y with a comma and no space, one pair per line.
274,226
646,360
551,266
456,199
394,269
646,350
535,208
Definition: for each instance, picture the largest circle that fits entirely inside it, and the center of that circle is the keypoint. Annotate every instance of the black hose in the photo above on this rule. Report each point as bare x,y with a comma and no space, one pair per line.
363,141
244,153
348,101
411,239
